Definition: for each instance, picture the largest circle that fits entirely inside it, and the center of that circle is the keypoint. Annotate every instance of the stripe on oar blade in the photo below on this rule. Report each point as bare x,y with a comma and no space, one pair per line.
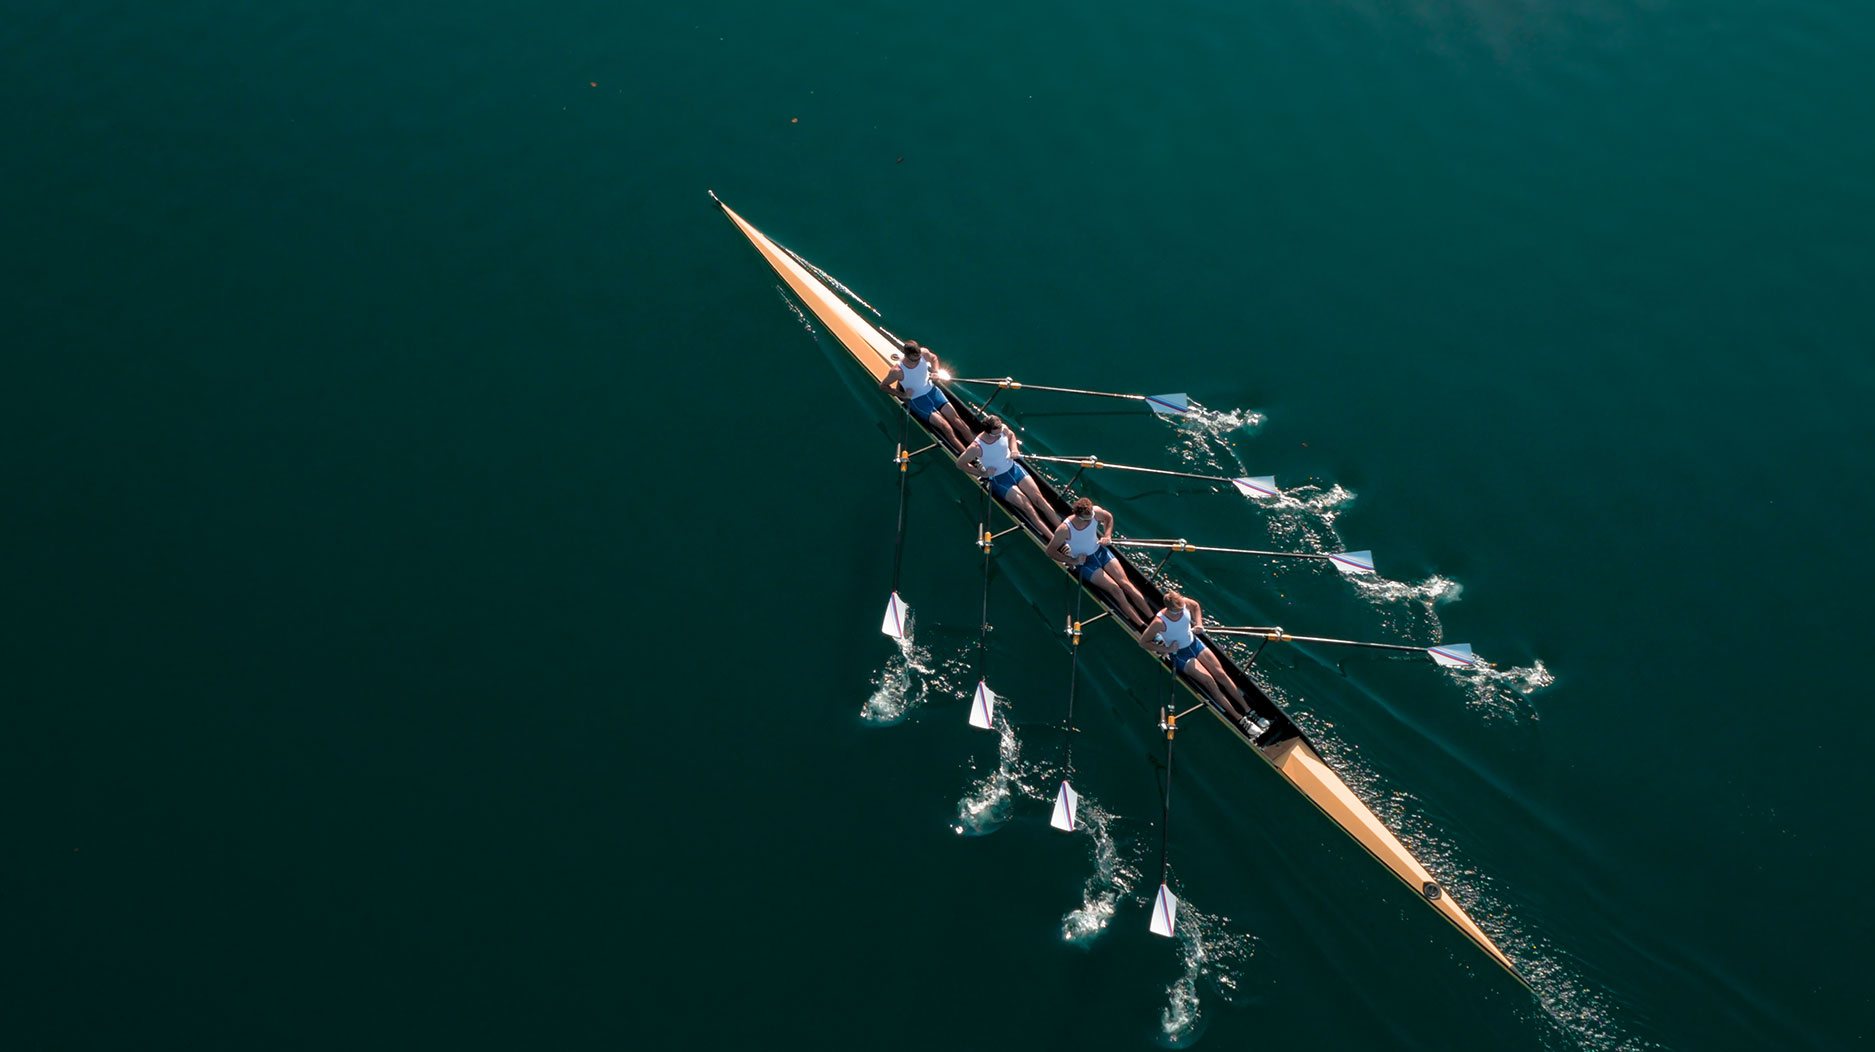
1453,655
1164,912
1262,486
895,617
982,704
1168,404
1065,803
1353,562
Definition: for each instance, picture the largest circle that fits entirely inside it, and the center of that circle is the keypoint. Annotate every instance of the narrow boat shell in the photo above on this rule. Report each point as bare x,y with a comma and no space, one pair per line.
1282,745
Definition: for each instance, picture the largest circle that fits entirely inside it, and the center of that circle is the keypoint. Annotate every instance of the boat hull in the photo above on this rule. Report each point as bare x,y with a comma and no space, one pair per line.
1282,746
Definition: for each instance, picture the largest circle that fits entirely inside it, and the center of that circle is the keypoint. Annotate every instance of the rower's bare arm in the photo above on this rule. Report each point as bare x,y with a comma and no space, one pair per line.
892,376
1058,544
967,460
1197,616
1145,637
1105,518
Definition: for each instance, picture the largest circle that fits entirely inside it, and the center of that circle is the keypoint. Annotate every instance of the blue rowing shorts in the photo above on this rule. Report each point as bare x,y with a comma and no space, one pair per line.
1187,655
1008,480
930,402
1091,566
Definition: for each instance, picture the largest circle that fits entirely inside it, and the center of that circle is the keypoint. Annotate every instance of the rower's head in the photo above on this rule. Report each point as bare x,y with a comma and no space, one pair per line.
913,352
1174,602
992,428
1084,511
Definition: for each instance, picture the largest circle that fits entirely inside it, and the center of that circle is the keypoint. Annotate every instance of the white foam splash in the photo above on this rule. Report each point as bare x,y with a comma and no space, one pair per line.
1112,879
985,805
1305,515
1421,600
901,685
1200,441
1214,957
1216,423
1429,592
1503,691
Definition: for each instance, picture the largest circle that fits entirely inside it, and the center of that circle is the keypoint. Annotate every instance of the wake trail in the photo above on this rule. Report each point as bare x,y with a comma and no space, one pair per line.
1114,876
1214,957
902,684
985,805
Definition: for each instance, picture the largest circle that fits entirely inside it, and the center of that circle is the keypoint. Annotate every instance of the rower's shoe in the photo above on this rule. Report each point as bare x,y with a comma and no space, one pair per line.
1253,727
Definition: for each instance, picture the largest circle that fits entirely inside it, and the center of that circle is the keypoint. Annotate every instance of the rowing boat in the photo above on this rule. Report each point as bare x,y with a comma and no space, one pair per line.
1281,745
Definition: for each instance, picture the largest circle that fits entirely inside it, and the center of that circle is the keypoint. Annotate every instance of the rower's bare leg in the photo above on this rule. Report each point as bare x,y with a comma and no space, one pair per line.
942,430
1135,602
1209,660
960,431
1197,673
1018,500
1045,515
1111,592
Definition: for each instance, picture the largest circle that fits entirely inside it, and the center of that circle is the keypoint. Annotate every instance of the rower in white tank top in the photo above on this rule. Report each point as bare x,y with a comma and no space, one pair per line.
1172,633
1083,540
1176,631
916,379
1080,546
992,458
913,379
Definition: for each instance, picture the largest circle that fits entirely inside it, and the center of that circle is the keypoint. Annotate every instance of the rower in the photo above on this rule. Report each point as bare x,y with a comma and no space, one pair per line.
1080,546
1172,633
913,374
992,458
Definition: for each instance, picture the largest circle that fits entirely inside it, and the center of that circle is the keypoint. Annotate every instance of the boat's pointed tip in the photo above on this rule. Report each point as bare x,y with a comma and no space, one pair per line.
714,198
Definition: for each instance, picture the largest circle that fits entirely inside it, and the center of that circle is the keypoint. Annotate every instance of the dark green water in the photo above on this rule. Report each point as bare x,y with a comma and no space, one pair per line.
445,576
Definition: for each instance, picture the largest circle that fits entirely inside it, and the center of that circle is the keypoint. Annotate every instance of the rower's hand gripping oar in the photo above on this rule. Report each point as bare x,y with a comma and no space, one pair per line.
1165,905
1168,405
1351,563
1445,655
897,614
1067,800
1253,487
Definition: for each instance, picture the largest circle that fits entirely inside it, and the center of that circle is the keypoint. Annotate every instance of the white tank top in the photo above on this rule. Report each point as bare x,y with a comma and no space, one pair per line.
916,378
1083,542
995,455
1177,633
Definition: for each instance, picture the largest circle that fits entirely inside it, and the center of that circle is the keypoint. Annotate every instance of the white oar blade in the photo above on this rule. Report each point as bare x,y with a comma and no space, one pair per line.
1165,912
1066,801
1353,562
1453,655
982,706
895,617
1261,486
1169,404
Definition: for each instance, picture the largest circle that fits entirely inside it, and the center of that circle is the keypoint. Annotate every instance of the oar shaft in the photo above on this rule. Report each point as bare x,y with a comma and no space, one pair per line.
1165,817
1096,462
1353,643
983,631
898,545
1074,675
1181,546
1278,635
1010,384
